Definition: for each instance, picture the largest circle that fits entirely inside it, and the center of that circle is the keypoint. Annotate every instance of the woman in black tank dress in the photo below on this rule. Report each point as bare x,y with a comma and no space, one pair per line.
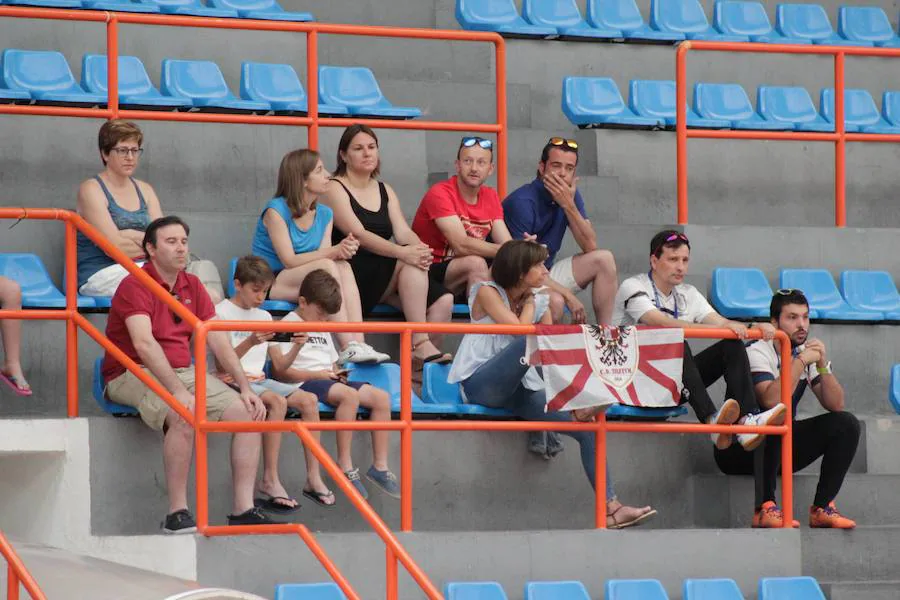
392,264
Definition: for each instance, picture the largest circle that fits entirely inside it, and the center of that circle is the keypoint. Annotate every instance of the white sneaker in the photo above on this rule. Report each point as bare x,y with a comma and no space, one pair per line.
726,415
358,352
773,416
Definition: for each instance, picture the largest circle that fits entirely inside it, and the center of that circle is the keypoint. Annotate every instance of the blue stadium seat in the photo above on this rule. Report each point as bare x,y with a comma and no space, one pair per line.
38,289
267,10
555,590
280,86
120,6
566,18
644,413
191,7
270,305
635,589
625,16
8,96
201,82
44,3
789,588
809,22
687,17
480,590
823,295
740,293
860,111
596,102
309,591
733,17
385,376
500,16
890,107
656,100
894,391
791,105
729,101
871,291
46,76
116,410
135,87
867,24
445,397
711,589
357,89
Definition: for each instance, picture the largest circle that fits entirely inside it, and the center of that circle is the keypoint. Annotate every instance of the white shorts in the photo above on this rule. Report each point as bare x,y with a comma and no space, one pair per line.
563,273
106,281
271,385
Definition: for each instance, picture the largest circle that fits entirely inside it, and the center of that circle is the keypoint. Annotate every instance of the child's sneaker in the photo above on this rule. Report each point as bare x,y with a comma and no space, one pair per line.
180,521
727,415
769,516
254,516
774,416
829,518
353,476
358,352
385,480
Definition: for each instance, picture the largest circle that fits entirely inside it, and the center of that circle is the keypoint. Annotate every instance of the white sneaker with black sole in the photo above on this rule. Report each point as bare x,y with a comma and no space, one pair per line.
727,415
773,416
358,352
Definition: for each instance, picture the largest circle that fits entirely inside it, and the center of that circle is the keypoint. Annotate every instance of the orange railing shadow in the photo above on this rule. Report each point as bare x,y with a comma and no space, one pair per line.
839,138
17,574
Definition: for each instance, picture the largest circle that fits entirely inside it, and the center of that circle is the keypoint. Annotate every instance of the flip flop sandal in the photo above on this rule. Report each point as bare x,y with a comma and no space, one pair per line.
635,521
270,503
13,382
318,497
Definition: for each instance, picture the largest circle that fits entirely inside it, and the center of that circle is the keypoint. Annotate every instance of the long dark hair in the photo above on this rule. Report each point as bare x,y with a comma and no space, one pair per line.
350,133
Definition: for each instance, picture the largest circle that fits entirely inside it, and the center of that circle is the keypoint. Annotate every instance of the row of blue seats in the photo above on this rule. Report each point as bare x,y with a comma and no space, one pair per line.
864,296
675,20
596,102
45,77
269,10
770,588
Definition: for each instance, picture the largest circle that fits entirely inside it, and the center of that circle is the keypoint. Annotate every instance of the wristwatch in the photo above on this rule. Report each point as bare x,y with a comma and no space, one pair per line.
826,370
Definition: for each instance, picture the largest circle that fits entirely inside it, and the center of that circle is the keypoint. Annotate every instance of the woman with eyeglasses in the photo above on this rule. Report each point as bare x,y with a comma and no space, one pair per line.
392,264
492,369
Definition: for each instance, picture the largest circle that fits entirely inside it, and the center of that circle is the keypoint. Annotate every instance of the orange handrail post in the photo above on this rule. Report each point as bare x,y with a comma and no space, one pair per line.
840,144
112,65
17,574
71,289
600,498
503,134
391,576
681,164
202,469
406,504
312,86
787,439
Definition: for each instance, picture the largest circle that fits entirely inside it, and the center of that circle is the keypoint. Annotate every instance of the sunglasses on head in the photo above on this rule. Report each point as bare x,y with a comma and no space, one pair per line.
558,141
175,316
468,142
672,238
789,292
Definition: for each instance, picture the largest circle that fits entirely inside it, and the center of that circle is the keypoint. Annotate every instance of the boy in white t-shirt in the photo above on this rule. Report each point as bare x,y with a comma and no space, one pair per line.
252,278
312,364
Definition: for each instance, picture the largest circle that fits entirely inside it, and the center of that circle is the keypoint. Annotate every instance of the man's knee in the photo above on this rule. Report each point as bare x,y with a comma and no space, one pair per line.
602,262
176,426
474,266
847,424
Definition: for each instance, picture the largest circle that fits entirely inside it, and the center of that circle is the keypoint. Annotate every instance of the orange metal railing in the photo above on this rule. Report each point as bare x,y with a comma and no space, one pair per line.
405,425
312,30
839,138
17,574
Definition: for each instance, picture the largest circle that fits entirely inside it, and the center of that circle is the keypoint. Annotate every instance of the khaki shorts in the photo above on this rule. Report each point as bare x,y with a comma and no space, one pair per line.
127,389
563,273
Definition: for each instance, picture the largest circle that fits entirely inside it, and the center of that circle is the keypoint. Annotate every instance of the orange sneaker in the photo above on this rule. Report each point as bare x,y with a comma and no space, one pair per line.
769,516
829,518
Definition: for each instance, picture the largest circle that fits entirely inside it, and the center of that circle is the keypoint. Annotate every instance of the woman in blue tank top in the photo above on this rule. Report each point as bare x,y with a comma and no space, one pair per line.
293,234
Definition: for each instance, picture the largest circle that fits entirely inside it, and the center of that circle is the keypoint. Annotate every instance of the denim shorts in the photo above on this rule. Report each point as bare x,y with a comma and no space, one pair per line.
270,385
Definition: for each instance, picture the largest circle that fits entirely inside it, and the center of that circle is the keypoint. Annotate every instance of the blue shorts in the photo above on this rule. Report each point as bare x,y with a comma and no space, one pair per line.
270,385
320,387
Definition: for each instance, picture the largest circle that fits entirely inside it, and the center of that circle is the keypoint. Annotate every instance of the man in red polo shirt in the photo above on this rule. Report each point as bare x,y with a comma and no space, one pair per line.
152,335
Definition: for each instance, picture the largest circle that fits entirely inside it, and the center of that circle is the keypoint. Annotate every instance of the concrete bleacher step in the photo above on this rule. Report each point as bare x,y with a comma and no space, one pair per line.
867,553
867,590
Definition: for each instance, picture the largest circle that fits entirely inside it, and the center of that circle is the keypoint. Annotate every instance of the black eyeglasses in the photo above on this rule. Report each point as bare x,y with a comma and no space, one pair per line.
559,141
468,142
123,152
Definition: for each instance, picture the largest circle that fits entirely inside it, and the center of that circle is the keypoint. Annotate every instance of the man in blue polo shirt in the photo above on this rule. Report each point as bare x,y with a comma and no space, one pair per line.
548,206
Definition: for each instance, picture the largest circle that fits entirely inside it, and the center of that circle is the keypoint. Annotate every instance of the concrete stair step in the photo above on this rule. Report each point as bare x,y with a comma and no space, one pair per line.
867,553
868,590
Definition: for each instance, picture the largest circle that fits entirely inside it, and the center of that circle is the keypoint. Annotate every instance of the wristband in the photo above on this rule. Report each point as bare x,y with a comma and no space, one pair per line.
826,370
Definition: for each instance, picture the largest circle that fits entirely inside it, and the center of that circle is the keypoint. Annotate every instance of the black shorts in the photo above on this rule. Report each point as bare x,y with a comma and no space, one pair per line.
320,387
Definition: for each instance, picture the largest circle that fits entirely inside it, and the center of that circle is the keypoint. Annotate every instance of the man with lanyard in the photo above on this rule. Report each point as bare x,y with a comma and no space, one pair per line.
544,209
833,435
662,299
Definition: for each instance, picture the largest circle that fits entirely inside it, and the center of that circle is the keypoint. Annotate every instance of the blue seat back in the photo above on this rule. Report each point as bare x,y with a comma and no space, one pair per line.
711,589
99,391
385,376
894,391
741,18
349,86
553,13
248,5
596,95
859,107
267,82
865,24
789,588
475,590
870,290
193,79
635,589
816,284
556,590
652,98
726,101
739,292
309,591
786,104
133,77
684,16
435,389
494,12
30,273
807,21
37,71
615,14
890,106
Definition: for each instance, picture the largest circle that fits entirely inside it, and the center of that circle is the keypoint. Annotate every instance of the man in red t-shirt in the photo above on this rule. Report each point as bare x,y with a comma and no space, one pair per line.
152,335
456,216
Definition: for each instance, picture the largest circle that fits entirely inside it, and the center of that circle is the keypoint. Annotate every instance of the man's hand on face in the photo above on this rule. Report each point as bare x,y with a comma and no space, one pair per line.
818,346
561,192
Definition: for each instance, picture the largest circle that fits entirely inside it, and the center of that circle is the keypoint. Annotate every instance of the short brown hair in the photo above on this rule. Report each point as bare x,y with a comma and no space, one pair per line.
320,287
347,137
292,174
514,259
253,269
114,131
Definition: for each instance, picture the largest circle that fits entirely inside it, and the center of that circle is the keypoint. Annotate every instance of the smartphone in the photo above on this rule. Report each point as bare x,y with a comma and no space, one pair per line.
284,336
